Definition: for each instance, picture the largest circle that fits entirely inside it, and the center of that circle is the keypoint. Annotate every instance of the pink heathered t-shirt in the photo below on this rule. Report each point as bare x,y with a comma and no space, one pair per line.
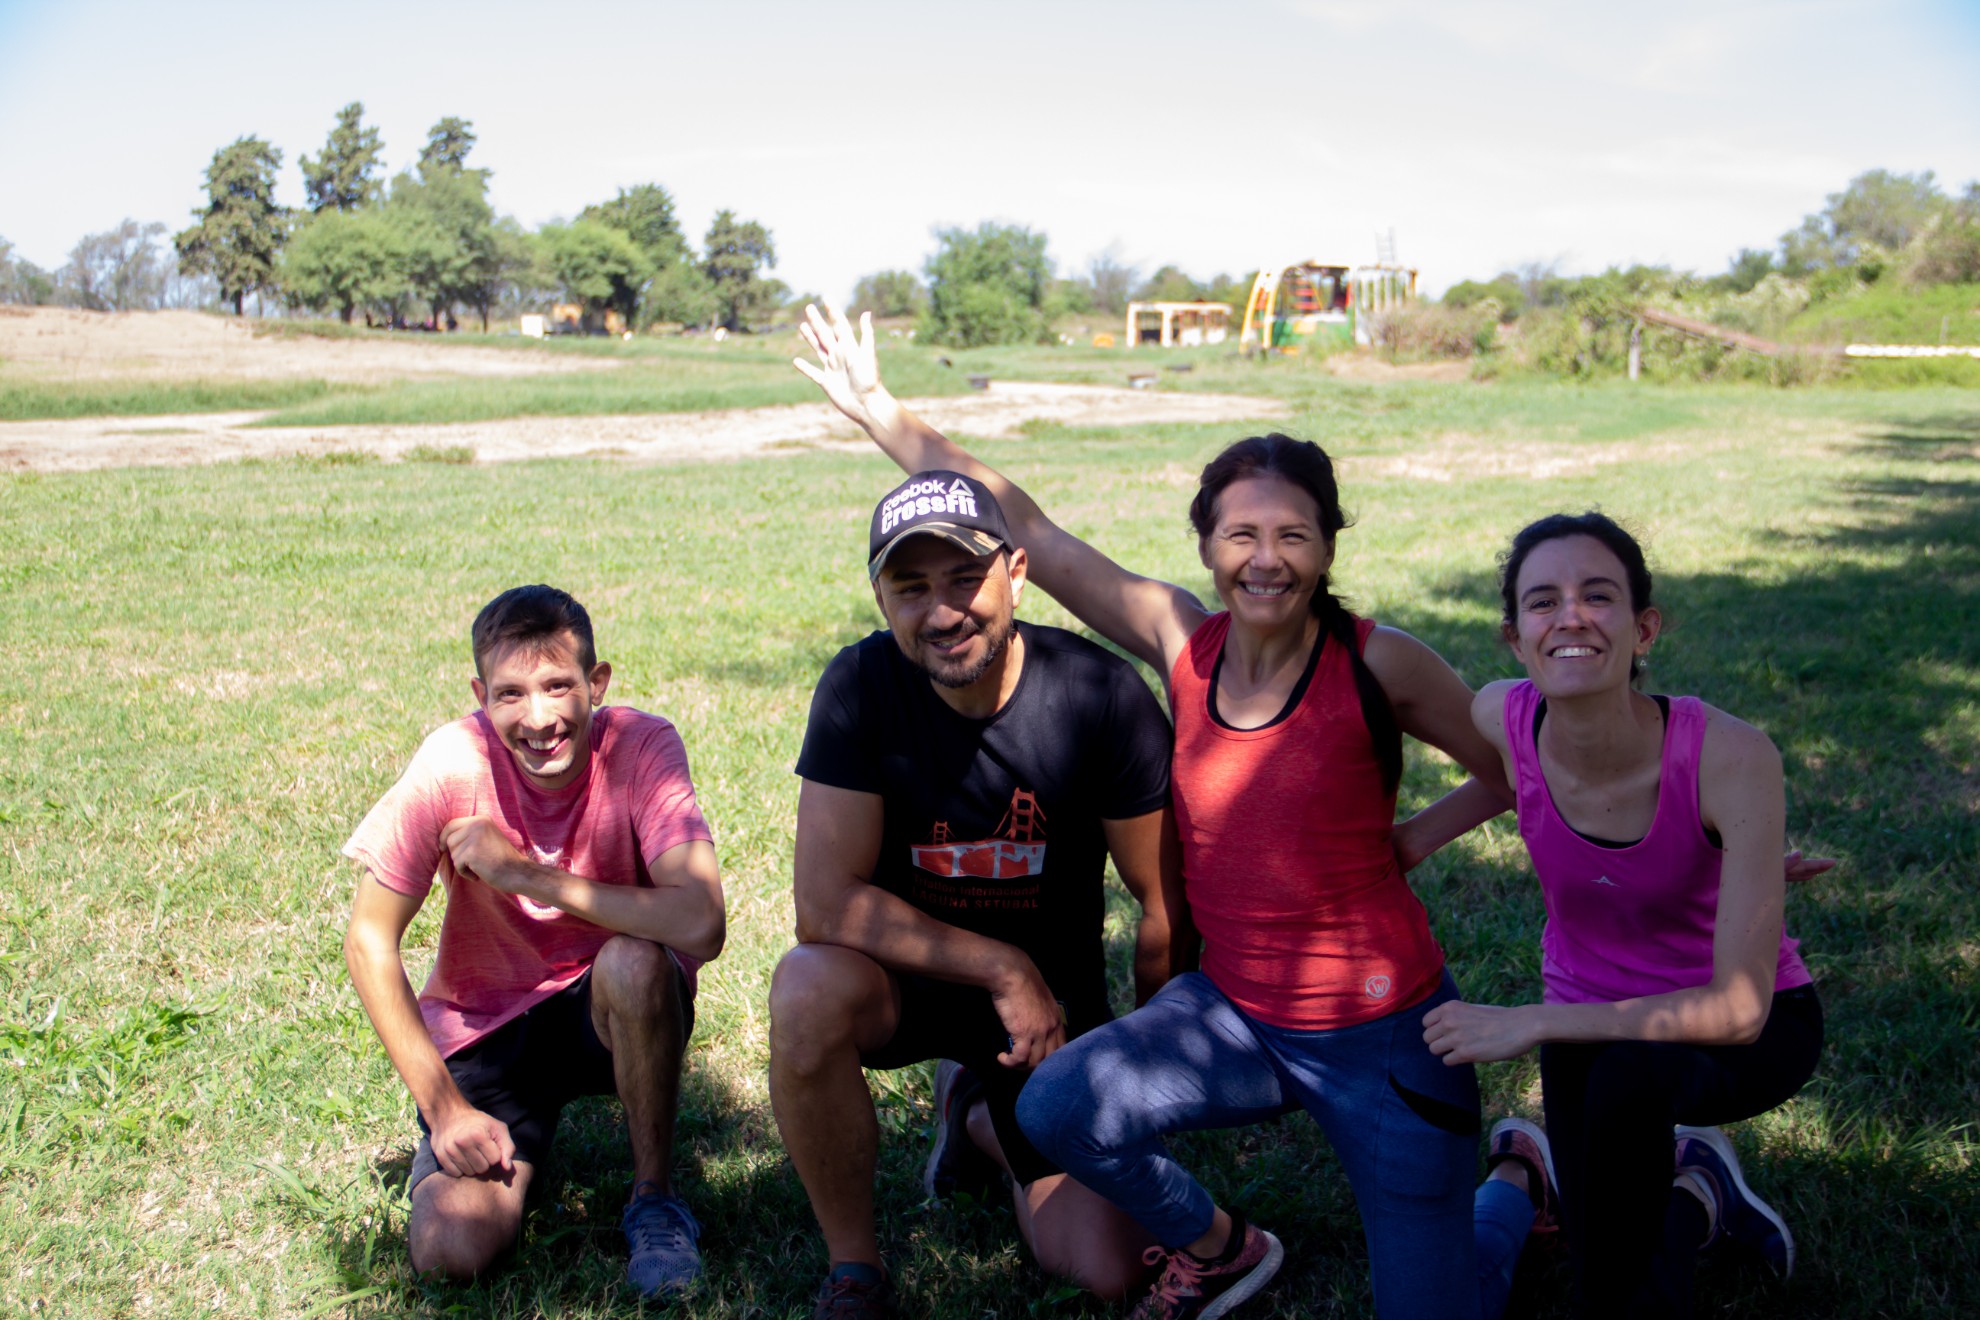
501,953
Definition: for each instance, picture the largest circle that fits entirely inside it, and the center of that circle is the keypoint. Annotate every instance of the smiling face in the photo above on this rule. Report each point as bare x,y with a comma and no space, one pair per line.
951,612
1576,630
1266,554
539,698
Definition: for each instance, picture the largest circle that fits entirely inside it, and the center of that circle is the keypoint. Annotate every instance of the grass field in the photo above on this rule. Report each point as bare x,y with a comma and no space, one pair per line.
213,673
655,375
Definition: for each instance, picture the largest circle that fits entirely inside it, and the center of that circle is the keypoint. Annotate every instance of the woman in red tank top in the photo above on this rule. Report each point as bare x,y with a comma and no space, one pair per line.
1318,964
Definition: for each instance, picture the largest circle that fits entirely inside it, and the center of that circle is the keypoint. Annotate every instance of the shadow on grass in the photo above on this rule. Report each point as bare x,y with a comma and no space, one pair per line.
570,1259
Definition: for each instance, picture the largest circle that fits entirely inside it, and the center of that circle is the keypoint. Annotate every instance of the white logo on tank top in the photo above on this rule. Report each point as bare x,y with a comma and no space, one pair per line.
1378,987
1604,880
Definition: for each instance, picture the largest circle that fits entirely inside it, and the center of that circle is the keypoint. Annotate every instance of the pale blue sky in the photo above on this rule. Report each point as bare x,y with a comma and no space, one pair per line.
1215,135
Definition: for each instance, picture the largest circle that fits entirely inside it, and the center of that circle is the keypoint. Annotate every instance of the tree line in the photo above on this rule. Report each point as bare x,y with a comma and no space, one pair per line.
427,243
1889,258
1882,227
419,246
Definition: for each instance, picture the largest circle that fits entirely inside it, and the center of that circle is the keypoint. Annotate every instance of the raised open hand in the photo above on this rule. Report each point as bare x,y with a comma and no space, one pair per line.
848,368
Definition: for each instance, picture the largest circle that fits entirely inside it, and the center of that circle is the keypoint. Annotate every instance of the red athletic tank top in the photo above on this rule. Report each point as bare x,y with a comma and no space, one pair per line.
1307,923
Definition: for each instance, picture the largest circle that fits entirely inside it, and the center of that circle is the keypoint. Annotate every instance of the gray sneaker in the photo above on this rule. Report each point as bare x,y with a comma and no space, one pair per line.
663,1236
856,1292
956,1167
1743,1218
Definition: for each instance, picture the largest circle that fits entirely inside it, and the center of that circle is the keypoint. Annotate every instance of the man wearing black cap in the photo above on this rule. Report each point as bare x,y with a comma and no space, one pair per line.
965,778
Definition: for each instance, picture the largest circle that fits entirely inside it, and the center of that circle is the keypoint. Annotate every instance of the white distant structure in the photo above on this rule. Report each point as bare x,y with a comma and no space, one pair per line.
1177,324
1909,351
533,326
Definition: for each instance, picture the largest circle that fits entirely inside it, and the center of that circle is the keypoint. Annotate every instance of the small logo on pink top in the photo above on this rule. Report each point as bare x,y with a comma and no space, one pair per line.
1378,987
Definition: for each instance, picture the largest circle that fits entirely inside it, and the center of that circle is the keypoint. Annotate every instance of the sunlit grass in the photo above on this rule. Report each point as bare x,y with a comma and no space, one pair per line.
212,672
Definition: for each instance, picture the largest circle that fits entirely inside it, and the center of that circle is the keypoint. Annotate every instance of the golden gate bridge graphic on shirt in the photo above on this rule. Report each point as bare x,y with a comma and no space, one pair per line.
1017,850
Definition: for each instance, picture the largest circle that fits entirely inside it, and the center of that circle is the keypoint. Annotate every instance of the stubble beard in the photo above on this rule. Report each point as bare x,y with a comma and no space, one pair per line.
993,650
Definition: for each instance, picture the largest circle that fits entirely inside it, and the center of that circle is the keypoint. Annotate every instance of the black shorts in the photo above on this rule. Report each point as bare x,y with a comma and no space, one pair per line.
944,1020
526,1070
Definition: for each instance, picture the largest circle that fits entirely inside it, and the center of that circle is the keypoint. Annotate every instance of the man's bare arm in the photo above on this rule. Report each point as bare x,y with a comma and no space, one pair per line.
838,847
466,1141
1149,858
683,910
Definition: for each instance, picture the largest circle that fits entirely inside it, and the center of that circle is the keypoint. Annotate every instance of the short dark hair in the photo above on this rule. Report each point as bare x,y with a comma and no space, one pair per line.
531,616
1560,526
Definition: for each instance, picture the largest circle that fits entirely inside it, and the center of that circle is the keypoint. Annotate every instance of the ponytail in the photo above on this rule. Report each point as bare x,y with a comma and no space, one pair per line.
1376,710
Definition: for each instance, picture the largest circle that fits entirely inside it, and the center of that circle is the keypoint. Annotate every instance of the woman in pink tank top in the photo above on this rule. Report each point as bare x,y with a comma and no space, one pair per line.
1673,997
1318,965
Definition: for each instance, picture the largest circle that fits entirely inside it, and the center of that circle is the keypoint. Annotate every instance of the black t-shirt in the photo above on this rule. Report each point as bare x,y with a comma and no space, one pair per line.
993,825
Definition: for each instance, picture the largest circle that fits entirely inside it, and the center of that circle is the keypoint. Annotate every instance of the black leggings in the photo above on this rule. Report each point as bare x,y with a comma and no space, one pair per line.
1632,1238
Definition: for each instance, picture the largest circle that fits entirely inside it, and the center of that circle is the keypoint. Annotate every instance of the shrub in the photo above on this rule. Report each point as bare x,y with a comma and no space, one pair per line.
1430,330
1504,292
988,286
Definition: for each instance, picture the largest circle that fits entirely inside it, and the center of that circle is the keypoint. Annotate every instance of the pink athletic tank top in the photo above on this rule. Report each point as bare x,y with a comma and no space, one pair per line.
1631,921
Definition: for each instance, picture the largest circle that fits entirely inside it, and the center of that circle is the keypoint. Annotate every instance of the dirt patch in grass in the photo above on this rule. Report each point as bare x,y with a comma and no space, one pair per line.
1366,368
53,343
996,413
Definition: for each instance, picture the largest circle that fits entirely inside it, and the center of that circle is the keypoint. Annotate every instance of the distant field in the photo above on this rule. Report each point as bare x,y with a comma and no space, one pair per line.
214,671
317,374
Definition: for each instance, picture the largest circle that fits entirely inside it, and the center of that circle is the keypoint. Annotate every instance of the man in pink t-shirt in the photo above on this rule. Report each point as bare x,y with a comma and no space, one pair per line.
582,895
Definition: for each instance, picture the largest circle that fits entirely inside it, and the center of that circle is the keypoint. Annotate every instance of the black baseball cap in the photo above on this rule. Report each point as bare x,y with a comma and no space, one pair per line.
959,509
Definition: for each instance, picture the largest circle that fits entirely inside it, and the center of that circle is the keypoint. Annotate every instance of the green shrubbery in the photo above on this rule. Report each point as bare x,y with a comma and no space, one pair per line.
1890,259
1428,330
988,285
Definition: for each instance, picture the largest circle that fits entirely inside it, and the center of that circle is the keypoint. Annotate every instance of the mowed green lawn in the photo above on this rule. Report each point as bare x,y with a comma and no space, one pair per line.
212,673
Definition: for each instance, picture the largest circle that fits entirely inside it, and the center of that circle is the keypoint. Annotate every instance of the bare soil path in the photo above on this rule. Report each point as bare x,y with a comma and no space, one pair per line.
1001,410
52,343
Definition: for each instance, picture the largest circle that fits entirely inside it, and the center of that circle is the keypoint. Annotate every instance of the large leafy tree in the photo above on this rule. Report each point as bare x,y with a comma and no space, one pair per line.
345,176
451,250
347,260
680,292
509,267
447,145
596,266
1878,211
1948,252
22,281
735,254
240,232
448,229
645,214
1169,284
119,270
679,289
988,285
890,293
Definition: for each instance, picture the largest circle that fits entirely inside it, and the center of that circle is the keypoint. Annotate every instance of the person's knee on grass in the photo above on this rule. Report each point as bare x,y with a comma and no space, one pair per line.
582,894
460,1227
952,836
